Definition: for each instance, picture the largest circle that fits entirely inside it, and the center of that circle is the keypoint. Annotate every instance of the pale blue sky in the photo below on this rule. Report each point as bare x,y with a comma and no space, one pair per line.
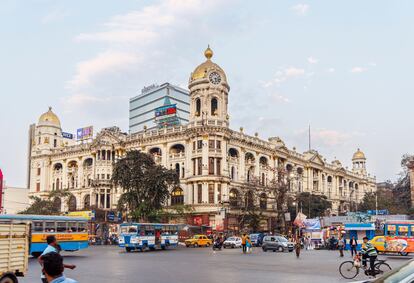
345,67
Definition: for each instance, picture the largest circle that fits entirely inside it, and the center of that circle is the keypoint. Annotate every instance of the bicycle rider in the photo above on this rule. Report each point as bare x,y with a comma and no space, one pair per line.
368,251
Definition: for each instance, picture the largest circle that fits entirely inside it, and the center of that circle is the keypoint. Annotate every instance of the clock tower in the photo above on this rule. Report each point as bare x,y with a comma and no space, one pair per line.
208,94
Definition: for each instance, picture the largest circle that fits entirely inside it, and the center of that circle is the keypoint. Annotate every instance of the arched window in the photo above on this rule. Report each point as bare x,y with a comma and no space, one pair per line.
234,197
263,201
248,199
214,106
57,204
72,203
198,107
177,196
87,202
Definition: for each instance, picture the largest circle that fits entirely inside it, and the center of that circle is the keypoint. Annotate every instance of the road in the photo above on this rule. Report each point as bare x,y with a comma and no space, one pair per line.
106,264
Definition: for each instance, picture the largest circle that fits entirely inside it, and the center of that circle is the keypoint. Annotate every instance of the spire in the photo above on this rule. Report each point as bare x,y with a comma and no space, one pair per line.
208,53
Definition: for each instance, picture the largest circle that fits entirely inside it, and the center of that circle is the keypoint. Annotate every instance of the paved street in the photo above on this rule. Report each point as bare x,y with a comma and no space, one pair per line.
201,265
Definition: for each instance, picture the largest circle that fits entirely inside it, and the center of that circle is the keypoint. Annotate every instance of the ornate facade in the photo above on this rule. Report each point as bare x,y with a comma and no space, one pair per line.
213,161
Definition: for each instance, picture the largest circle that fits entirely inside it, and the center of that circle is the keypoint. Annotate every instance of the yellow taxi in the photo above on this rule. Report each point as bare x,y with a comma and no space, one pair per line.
198,241
379,243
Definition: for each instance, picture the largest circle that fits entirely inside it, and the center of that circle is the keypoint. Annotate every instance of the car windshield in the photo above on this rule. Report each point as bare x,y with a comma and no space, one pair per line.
231,239
281,239
397,275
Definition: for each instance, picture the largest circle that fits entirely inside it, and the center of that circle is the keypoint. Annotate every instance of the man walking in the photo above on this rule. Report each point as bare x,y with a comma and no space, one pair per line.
53,269
341,246
52,247
244,241
353,244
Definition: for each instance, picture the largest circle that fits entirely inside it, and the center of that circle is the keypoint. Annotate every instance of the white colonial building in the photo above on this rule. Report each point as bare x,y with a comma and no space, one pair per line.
213,161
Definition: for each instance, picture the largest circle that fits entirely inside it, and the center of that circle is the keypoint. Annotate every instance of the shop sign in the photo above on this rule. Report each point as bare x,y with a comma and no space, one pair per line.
88,214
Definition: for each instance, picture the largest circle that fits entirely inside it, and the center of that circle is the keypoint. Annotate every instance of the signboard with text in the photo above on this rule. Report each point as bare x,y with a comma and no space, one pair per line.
67,135
166,116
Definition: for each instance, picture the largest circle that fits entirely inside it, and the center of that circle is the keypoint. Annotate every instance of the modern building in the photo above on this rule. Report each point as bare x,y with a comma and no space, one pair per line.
146,109
214,162
15,199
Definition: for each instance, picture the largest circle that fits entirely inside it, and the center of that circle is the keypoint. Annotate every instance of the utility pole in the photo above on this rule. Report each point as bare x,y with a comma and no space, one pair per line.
376,203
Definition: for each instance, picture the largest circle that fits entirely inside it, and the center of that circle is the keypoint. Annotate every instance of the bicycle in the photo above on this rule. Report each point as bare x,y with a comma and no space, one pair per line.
350,269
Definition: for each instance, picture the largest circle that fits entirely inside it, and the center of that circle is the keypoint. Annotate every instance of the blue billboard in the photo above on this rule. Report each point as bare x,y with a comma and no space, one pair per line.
67,135
84,133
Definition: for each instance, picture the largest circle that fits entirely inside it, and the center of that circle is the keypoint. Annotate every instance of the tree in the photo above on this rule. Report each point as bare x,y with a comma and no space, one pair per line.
40,207
312,205
146,185
48,205
383,199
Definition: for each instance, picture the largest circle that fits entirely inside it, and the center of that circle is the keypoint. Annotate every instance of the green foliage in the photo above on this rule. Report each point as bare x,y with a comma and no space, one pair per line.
47,206
40,207
385,200
146,185
313,205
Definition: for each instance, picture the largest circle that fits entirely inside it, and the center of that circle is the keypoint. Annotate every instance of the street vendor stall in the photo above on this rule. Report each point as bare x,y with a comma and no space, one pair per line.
359,231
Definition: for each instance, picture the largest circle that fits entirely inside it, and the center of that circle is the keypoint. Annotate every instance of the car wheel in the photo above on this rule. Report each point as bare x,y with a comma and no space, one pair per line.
233,246
187,245
8,279
128,249
207,245
281,249
264,249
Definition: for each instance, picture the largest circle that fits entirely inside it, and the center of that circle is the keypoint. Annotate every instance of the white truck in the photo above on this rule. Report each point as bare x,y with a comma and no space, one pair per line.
14,251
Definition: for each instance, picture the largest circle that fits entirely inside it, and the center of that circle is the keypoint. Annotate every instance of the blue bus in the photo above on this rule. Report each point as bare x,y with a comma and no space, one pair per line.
143,236
70,232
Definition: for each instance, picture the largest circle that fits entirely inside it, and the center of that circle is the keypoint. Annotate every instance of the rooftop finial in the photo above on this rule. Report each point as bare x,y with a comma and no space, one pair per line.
208,53
50,108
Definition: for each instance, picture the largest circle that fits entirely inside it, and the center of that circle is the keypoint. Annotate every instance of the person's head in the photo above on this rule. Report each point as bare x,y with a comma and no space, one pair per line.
52,265
365,239
51,240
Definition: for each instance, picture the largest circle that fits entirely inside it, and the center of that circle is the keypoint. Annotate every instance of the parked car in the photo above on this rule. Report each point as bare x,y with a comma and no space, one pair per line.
276,243
233,242
257,239
198,241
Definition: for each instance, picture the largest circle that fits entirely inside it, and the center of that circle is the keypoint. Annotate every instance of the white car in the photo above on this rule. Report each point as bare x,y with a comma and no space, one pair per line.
233,242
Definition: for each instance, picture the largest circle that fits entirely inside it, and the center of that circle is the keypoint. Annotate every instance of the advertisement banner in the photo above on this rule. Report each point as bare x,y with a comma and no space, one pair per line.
312,224
299,220
67,135
84,133
88,214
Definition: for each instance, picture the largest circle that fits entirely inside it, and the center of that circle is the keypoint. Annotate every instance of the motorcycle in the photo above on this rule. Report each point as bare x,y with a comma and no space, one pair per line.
218,245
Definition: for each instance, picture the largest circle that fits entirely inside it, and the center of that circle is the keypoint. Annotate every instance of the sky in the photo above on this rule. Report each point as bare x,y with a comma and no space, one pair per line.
342,67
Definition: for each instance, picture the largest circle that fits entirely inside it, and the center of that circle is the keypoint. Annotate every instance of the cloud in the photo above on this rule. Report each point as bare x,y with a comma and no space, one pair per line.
328,138
300,9
136,48
331,70
54,16
312,60
282,76
280,98
358,69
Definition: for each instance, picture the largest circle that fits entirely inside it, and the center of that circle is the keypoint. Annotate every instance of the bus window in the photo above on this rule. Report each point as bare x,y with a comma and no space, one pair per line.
81,227
149,230
50,227
132,229
61,227
403,231
37,226
72,227
391,230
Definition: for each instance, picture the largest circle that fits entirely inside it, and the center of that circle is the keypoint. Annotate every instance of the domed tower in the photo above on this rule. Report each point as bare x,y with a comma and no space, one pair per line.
208,93
359,162
48,133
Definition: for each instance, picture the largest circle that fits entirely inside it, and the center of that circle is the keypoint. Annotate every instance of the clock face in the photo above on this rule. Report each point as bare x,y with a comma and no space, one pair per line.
214,78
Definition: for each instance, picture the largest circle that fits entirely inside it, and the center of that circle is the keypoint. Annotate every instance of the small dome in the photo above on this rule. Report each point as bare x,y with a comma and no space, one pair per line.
358,155
49,118
202,70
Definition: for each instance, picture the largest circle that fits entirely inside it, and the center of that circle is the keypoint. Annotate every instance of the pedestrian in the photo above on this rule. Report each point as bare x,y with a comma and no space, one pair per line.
53,269
341,245
298,246
52,247
244,238
353,244
248,245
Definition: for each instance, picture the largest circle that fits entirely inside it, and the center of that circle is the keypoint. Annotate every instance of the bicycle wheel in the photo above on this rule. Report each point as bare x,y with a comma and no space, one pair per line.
382,267
348,270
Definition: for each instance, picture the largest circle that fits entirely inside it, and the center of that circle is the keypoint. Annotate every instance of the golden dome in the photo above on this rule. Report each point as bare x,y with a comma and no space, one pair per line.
358,155
49,118
201,71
